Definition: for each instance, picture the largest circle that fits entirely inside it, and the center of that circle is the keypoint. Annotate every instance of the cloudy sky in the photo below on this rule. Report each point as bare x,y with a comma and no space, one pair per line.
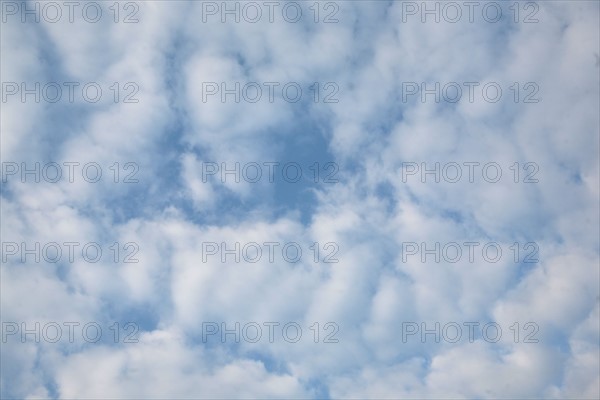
310,199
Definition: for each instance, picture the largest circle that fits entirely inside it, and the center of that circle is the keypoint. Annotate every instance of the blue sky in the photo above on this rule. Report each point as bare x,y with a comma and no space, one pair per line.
364,209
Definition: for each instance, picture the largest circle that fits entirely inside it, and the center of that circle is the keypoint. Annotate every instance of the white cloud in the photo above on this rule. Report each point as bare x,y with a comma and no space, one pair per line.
171,213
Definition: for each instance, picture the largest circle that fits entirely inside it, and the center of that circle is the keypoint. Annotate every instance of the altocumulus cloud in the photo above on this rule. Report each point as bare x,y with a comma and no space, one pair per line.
328,199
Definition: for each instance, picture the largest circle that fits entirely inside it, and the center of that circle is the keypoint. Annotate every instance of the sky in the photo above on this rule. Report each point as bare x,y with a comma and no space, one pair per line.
300,199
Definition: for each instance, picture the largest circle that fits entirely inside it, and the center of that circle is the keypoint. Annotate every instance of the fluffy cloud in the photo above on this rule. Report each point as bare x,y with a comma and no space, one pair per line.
357,287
